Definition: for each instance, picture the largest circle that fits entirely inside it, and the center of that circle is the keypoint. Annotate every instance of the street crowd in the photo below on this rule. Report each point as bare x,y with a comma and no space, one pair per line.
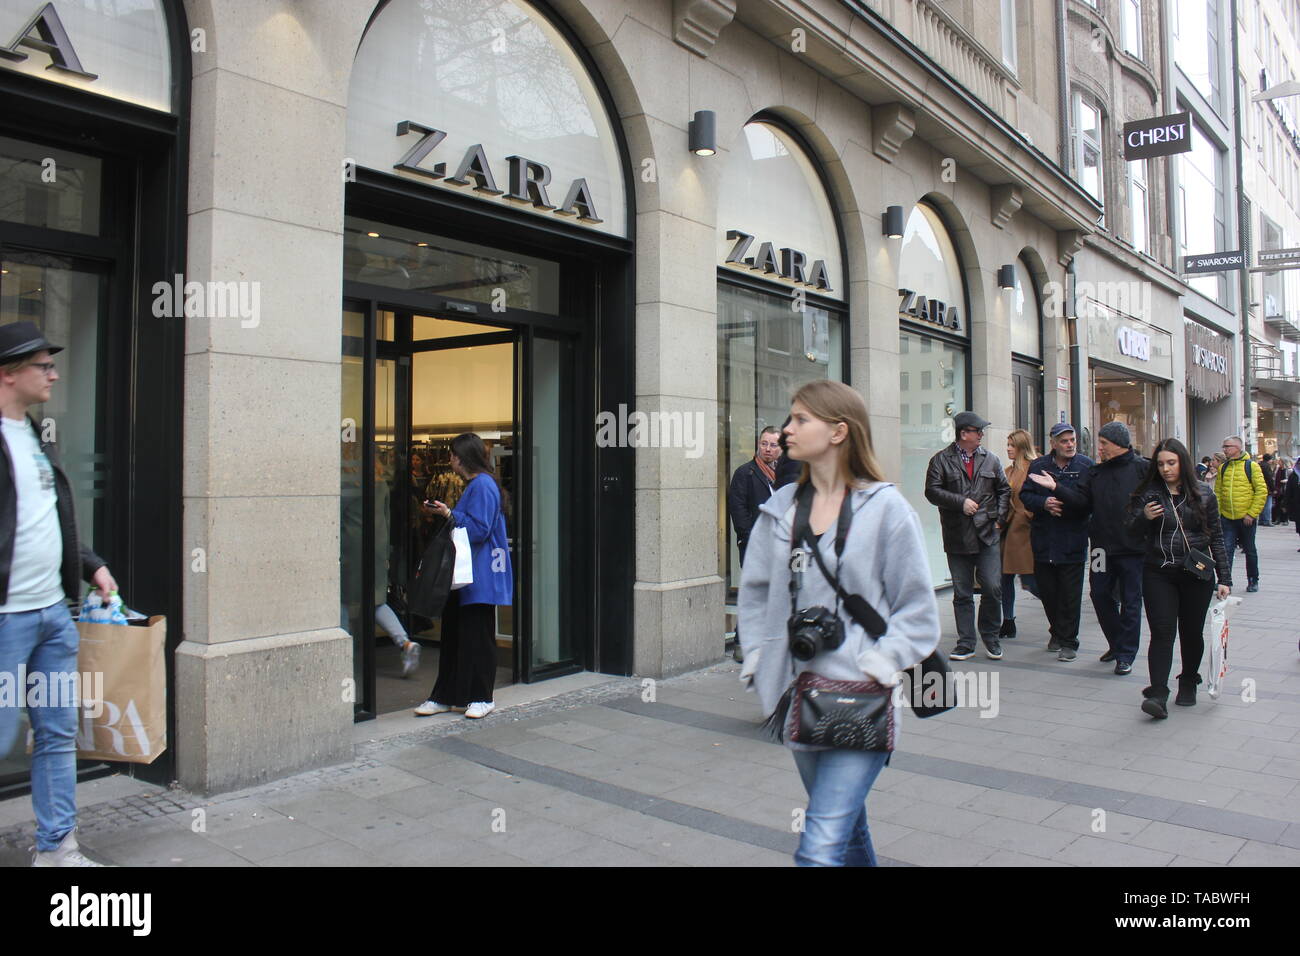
818,528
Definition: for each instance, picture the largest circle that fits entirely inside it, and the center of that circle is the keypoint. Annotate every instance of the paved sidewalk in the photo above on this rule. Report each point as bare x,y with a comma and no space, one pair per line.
1068,772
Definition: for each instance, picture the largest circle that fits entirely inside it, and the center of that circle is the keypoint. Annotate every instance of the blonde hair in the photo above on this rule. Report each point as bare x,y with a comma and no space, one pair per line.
835,402
1024,445
17,365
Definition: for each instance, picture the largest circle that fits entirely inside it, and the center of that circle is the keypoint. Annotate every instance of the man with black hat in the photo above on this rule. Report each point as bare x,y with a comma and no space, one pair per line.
1115,577
974,498
41,562
1059,534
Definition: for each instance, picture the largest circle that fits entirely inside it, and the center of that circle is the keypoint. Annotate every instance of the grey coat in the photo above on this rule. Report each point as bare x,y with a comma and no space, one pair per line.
884,561
947,486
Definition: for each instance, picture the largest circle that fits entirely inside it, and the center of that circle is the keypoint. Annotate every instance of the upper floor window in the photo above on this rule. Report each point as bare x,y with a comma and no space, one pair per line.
1131,26
1137,203
1197,45
1009,33
1087,146
1202,209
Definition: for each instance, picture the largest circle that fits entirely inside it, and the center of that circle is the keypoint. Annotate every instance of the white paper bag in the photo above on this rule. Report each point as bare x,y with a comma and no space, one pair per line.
463,573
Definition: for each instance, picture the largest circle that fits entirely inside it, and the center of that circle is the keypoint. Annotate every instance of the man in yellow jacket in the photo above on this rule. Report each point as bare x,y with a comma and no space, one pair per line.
1242,491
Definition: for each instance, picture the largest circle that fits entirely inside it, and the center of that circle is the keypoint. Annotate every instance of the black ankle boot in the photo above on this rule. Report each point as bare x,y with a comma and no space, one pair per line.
1008,628
1155,699
1187,690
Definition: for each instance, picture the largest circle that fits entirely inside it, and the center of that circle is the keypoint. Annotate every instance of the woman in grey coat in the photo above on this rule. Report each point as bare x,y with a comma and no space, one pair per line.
884,561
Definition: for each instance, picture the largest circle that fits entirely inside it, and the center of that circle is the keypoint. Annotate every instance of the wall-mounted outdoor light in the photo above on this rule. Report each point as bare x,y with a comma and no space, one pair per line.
893,224
1006,277
702,132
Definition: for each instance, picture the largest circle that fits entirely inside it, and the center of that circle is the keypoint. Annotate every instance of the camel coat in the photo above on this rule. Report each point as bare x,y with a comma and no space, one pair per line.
1017,553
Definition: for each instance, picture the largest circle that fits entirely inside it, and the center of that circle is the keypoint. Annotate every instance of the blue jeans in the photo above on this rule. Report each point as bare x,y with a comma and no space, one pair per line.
1234,530
45,642
835,826
1266,516
1009,593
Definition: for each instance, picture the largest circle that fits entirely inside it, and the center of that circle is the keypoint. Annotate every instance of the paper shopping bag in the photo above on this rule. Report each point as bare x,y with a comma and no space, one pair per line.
123,691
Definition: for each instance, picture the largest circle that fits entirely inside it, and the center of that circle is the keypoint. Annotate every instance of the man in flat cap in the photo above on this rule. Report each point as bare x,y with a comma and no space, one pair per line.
41,564
974,497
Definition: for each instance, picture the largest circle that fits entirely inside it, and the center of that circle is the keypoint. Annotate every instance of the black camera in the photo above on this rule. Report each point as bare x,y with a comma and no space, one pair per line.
813,630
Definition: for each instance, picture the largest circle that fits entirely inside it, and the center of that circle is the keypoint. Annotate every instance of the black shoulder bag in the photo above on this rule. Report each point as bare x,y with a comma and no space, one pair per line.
931,672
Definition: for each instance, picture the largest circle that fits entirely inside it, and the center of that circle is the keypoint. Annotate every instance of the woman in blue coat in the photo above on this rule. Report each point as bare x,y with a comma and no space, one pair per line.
467,664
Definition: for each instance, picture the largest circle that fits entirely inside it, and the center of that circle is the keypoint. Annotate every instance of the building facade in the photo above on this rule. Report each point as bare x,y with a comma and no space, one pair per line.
365,227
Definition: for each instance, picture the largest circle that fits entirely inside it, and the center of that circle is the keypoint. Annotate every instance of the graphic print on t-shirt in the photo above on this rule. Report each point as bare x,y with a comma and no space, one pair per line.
44,470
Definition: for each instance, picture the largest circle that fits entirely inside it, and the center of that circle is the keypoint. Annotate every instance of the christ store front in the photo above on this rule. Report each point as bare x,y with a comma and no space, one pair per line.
1130,366
93,141
781,298
486,278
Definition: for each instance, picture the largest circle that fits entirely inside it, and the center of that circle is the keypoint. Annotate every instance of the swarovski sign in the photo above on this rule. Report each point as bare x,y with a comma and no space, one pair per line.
1212,360
528,179
1158,136
1213,262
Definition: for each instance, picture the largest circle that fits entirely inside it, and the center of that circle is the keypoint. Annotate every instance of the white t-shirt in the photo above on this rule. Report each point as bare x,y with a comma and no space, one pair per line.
34,576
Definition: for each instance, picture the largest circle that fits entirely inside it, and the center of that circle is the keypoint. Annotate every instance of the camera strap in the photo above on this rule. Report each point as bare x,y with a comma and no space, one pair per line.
863,614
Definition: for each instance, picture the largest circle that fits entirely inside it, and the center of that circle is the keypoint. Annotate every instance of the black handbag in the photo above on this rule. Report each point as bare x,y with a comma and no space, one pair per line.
846,715
1197,563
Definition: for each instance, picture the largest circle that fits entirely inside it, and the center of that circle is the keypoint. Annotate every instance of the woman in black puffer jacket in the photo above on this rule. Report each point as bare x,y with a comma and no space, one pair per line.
1177,515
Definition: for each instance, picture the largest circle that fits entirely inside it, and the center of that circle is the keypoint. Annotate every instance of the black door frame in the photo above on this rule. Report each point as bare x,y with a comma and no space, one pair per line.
143,240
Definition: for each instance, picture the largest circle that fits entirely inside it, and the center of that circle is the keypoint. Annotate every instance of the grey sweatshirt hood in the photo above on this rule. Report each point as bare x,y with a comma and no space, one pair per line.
884,561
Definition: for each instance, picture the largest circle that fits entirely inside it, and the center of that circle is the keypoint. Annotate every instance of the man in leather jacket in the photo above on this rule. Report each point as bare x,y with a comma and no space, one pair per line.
973,495
41,563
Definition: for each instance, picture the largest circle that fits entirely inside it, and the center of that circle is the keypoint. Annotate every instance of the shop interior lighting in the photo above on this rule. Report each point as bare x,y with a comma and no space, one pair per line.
893,224
1006,277
373,235
702,133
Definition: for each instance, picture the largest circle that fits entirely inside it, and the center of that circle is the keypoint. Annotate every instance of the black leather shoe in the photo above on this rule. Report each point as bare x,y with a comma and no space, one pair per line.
1107,657
1252,587
1008,630
1155,701
1123,667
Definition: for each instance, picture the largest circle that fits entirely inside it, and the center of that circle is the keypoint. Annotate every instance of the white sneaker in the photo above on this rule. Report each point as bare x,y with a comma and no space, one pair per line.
431,707
480,708
66,854
410,658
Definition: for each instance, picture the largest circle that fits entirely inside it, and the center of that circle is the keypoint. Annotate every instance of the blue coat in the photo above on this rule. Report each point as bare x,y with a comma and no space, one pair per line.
478,511
1062,540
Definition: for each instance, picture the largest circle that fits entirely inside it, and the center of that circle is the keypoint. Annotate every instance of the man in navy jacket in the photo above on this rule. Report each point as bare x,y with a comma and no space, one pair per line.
1059,535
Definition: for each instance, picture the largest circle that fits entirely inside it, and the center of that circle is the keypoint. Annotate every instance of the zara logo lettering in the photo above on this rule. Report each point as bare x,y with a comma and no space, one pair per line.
929,310
1134,344
51,39
528,178
793,264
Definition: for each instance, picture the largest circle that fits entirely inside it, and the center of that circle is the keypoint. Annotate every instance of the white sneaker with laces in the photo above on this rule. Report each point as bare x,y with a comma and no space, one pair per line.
431,707
480,708
66,853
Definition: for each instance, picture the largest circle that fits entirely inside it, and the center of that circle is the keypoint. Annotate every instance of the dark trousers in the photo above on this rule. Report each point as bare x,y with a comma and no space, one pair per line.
1117,598
1236,530
467,660
987,566
1060,588
1175,600
1009,593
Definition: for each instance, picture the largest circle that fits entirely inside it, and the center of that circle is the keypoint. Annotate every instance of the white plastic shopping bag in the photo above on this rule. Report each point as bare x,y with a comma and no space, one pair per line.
463,573
1216,635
